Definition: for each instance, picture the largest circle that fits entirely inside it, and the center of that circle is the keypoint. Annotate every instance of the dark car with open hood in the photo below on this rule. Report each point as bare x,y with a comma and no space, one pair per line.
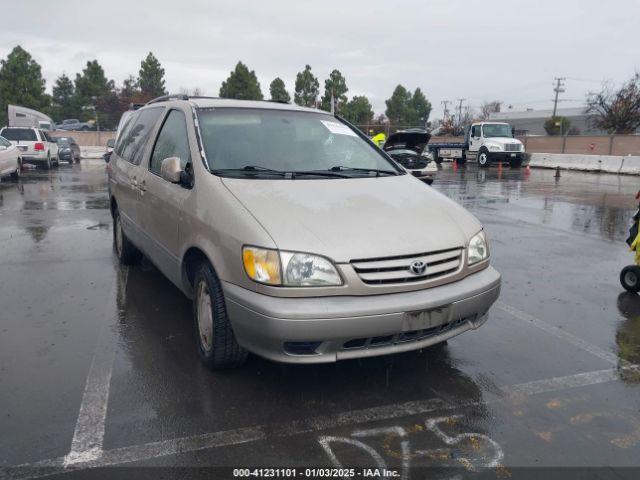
407,147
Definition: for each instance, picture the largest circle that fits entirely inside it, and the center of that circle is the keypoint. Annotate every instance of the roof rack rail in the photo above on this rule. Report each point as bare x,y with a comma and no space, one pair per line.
166,98
135,106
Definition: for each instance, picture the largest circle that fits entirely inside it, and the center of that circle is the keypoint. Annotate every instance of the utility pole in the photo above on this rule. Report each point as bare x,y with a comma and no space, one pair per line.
558,88
446,110
460,111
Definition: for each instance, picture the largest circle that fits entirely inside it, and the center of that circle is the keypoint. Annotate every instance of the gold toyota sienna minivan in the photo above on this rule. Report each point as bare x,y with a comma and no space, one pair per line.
295,236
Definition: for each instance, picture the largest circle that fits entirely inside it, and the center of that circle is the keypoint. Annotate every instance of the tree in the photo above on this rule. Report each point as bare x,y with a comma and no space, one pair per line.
616,111
557,125
336,84
242,84
419,109
63,105
487,108
151,78
307,88
94,91
21,83
358,111
278,91
397,105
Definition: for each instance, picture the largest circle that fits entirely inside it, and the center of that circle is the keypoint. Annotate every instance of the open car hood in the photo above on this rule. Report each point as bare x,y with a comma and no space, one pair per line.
414,140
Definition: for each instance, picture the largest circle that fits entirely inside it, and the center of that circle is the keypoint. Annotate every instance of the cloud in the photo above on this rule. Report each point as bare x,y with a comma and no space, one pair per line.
451,49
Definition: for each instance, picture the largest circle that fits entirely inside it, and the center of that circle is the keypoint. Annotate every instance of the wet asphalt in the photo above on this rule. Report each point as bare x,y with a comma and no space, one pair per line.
100,360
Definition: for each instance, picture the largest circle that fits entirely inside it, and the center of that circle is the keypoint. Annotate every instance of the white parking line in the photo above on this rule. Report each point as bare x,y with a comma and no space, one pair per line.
148,451
558,332
88,436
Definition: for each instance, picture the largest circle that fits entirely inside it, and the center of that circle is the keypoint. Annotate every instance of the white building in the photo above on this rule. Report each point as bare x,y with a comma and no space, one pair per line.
531,122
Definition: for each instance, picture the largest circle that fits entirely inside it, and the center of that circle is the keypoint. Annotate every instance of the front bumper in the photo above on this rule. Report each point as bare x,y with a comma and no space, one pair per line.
370,325
506,156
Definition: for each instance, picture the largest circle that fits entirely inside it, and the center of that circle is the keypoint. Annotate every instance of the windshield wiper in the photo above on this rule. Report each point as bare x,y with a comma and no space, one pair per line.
342,168
319,173
249,169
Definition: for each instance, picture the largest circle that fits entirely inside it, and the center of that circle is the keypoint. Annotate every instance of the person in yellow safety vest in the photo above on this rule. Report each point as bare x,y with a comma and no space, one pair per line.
379,139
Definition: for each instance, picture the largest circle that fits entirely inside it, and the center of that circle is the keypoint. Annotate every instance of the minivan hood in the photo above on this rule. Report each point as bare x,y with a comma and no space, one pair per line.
347,219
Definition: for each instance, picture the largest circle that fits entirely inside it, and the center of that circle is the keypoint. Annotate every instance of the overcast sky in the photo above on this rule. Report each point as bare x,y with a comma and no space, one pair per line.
478,50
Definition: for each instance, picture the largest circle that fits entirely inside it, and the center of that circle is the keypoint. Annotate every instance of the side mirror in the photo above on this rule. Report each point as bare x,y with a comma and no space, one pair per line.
171,170
111,143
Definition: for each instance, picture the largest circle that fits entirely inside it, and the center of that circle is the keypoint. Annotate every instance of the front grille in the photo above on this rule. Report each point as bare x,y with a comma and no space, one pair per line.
388,270
512,147
403,337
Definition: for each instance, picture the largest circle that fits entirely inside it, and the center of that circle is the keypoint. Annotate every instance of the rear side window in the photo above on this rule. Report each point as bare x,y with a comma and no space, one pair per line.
172,142
4,143
19,134
135,134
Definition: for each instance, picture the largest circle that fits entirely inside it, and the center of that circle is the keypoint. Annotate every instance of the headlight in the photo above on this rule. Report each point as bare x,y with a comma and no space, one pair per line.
494,148
478,249
289,269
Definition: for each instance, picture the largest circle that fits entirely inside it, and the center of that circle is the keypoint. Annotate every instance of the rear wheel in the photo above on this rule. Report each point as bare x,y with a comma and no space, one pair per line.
47,164
483,158
217,345
18,173
127,252
630,278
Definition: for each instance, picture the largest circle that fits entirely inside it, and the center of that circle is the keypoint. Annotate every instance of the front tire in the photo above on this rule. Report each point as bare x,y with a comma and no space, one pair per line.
483,158
217,345
630,278
127,252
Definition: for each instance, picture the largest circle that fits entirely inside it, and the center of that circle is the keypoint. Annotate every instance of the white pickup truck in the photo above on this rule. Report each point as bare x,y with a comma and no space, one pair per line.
486,142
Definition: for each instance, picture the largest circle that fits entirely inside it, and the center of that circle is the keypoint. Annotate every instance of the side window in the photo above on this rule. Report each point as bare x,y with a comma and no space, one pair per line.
172,142
4,143
135,134
475,131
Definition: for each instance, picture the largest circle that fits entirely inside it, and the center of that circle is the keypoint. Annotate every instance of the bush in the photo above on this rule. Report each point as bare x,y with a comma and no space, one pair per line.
557,125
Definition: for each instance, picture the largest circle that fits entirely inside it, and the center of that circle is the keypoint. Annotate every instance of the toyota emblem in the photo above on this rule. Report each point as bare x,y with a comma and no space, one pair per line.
418,267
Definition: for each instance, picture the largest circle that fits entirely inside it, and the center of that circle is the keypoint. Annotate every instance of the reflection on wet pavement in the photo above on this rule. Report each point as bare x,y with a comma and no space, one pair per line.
586,203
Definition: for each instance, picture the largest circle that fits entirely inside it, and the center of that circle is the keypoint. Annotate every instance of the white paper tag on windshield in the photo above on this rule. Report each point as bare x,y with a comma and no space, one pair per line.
338,128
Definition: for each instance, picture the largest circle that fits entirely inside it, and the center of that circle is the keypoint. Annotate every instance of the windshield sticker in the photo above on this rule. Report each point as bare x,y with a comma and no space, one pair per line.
338,128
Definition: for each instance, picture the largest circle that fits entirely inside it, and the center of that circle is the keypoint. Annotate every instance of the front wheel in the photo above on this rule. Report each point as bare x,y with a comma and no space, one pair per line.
217,345
483,158
630,278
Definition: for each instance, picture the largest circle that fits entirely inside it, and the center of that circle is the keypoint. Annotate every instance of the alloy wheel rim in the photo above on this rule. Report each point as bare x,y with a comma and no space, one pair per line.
483,158
631,279
205,319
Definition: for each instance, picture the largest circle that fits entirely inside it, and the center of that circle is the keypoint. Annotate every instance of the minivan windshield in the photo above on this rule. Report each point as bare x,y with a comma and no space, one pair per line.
19,134
261,143
496,130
